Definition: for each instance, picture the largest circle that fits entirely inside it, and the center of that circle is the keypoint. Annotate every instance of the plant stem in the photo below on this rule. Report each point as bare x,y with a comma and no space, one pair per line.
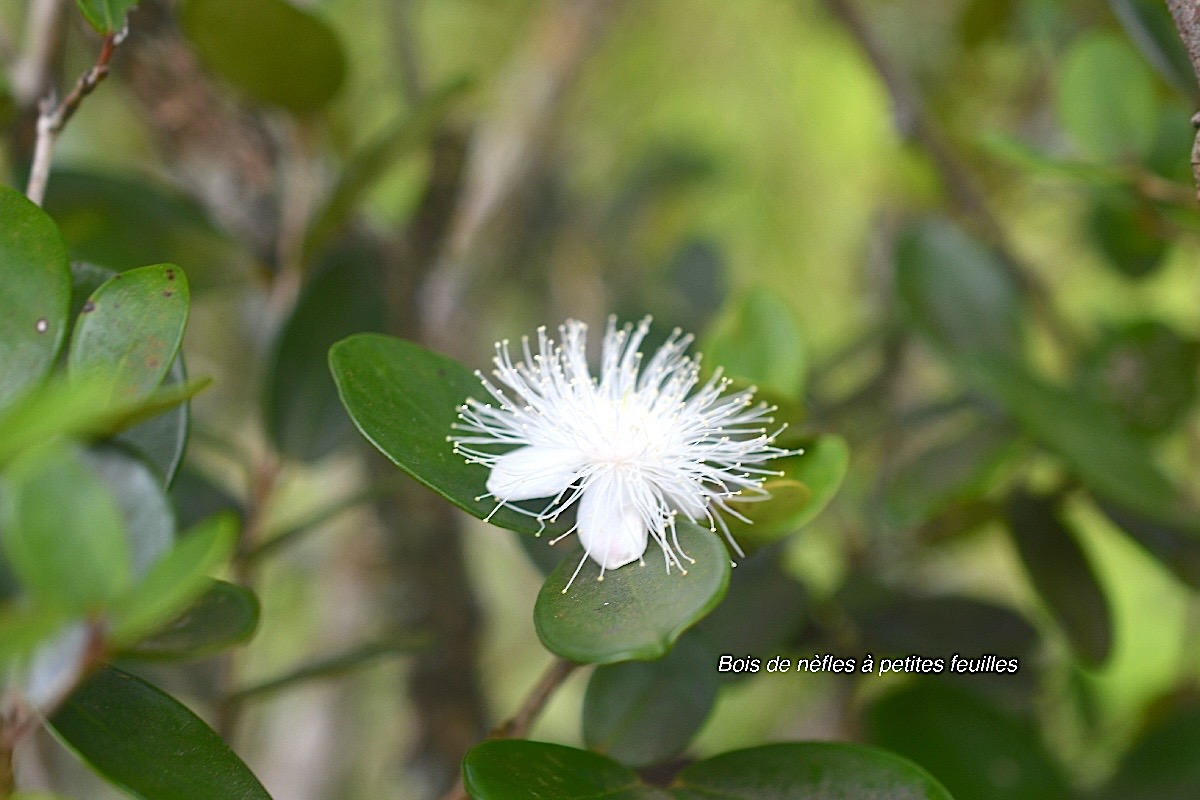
54,116
1186,14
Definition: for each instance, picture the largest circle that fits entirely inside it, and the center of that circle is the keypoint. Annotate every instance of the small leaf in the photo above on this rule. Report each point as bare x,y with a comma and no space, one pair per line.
175,580
300,402
1062,575
807,771
637,611
37,289
238,39
149,518
758,341
1130,232
1177,546
197,497
106,16
404,399
148,744
513,769
63,531
131,328
1106,99
162,439
1149,25
223,616
976,750
956,293
808,484
643,712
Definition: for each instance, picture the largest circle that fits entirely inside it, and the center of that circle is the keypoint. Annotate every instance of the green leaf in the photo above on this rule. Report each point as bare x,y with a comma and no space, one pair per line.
197,497
403,399
635,612
273,51
63,531
1088,436
162,439
1130,232
808,484
807,771
225,615
106,16
148,516
300,402
148,744
121,223
1148,23
1176,546
644,712
1062,575
23,629
974,749
37,288
956,293
175,580
1165,762
1106,99
131,328
1146,372
758,341
513,769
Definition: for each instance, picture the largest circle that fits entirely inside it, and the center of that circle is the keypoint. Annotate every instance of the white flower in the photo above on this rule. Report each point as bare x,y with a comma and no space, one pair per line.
634,446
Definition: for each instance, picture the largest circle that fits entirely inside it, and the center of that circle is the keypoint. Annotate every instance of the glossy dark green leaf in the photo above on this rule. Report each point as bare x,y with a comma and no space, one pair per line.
1093,441
120,223
514,769
643,712
1106,99
148,744
106,16
956,293
1165,762
635,612
976,750
758,341
1062,575
174,581
149,518
63,531
1149,25
1146,372
301,409
225,615
807,771
37,288
131,328
162,439
273,51
953,468
1130,232
403,399
85,279
1175,545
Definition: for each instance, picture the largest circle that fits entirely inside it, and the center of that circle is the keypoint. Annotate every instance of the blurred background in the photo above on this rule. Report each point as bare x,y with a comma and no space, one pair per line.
961,235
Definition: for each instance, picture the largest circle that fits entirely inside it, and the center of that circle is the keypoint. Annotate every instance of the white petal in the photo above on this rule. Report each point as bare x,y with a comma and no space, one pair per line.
530,472
610,529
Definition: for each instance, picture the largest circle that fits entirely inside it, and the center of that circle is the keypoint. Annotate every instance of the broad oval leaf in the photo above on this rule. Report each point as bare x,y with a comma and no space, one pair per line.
223,616
149,744
758,341
149,518
404,399
273,51
37,289
976,750
956,293
131,328
63,531
807,771
106,16
300,401
514,769
1062,575
635,612
643,712
1106,99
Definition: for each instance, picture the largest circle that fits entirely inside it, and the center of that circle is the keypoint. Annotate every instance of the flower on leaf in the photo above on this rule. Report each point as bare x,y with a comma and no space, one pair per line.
632,448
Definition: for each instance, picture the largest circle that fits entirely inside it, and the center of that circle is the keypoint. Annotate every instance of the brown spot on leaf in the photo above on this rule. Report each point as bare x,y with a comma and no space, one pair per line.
167,293
170,274
89,307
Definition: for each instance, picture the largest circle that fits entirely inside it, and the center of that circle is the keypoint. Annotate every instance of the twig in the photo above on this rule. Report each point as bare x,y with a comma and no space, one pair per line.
1186,14
29,73
908,106
53,117
518,726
